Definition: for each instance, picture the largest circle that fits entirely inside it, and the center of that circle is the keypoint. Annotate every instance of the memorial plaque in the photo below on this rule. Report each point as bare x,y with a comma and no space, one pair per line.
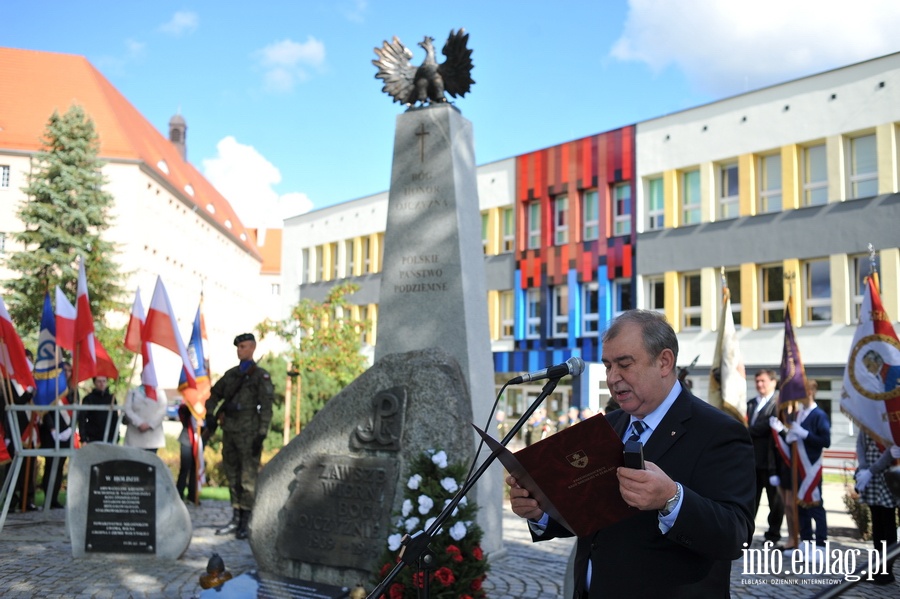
263,585
338,513
121,508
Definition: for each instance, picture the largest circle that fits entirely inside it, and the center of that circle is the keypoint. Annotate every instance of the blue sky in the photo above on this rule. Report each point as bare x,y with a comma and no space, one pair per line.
284,113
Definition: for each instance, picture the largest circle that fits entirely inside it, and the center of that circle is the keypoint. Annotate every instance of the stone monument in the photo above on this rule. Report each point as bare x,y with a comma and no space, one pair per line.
433,290
324,503
123,500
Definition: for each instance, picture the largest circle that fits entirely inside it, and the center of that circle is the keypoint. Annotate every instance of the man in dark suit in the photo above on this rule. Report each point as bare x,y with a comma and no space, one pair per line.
759,409
695,495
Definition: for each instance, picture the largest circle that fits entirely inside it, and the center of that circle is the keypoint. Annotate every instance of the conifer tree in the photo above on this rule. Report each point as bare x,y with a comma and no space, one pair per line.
64,215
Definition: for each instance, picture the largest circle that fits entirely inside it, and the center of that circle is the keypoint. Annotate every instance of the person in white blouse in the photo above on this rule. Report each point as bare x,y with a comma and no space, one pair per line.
144,416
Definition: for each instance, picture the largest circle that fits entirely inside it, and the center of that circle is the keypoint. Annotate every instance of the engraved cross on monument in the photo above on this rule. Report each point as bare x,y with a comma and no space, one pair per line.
433,289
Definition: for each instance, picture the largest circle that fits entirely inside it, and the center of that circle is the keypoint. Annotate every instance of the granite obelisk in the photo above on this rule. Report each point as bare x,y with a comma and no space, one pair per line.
433,290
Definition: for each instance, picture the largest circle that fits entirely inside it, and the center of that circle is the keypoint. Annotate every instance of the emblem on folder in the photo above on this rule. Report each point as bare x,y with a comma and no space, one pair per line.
578,459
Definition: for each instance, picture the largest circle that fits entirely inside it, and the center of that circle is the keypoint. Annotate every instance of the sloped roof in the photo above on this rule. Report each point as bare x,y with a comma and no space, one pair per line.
33,84
269,243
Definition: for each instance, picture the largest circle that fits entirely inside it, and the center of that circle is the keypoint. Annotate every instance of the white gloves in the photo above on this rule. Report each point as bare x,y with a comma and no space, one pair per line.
798,430
774,480
775,424
63,436
895,452
862,479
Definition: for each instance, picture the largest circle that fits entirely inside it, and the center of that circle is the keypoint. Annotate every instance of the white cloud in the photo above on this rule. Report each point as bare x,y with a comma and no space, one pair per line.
287,62
182,22
354,10
247,179
731,47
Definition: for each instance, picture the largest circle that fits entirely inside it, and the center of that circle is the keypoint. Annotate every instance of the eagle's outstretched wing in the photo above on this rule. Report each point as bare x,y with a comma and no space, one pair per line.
396,72
456,70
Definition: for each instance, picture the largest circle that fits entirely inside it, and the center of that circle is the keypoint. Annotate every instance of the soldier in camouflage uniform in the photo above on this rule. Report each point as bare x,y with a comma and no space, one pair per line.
245,393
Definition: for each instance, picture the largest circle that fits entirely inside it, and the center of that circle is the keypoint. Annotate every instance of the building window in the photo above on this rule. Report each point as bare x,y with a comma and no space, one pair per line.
509,229
533,313
590,310
733,280
484,232
561,220
690,305
305,268
655,204
863,167
656,294
591,215
366,247
769,183
276,289
621,296
335,263
729,195
817,291
534,225
4,176
622,209
560,311
815,175
320,265
771,290
348,251
507,314
690,194
862,268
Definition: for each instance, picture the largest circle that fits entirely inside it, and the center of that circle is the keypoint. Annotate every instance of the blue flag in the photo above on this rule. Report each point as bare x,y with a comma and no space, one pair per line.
50,379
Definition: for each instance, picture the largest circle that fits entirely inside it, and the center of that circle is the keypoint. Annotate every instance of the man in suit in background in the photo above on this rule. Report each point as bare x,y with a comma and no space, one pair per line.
759,409
695,494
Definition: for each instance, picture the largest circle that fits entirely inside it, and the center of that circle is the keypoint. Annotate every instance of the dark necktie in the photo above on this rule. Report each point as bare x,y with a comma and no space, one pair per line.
751,410
637,429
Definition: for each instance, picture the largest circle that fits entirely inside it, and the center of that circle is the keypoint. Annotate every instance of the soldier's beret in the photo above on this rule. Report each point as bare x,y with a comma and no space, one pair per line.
244,337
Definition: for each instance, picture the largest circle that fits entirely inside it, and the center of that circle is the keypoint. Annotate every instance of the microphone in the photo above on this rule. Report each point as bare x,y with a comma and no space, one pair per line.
573,366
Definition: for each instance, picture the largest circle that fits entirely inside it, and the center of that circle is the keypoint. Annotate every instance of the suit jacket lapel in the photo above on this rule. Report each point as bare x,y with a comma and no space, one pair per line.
619,421
670,429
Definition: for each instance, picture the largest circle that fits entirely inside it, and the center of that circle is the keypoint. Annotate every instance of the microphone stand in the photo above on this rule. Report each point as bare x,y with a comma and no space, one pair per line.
415,548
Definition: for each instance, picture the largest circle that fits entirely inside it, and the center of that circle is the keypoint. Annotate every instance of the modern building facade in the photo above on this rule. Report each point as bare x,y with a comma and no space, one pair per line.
780,189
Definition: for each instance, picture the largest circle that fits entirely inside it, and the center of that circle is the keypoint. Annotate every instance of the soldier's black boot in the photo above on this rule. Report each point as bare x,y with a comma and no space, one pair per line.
243,526
231,526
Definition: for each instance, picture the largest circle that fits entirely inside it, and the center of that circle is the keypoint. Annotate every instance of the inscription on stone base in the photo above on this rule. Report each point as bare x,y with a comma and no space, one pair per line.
338,511
121,514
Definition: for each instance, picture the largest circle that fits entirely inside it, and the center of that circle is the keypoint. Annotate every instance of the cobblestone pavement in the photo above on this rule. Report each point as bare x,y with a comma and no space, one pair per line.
36,561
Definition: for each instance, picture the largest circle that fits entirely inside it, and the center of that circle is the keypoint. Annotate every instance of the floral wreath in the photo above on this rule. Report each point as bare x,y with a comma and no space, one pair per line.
460,566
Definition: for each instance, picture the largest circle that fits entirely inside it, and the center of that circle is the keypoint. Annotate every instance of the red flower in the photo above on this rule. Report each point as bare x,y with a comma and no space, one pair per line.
445,576
385,569
476,584
454,553
418,579
477,553
465,597
397,590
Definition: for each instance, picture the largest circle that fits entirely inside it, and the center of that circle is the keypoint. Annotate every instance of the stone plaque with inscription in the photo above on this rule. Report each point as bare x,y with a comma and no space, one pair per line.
338,512
121,508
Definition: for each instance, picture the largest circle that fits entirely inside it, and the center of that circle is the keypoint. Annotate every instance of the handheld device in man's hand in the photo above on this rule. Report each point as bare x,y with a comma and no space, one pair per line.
634,455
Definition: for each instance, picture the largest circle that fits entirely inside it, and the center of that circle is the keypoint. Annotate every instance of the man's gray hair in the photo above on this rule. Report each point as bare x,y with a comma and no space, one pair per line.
658,334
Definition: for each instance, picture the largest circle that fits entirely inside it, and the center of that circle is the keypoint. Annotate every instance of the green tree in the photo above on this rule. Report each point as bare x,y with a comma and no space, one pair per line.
65,215
324,346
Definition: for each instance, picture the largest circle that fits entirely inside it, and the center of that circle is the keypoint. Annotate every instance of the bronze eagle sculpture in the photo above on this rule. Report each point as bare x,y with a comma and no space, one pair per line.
409,84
